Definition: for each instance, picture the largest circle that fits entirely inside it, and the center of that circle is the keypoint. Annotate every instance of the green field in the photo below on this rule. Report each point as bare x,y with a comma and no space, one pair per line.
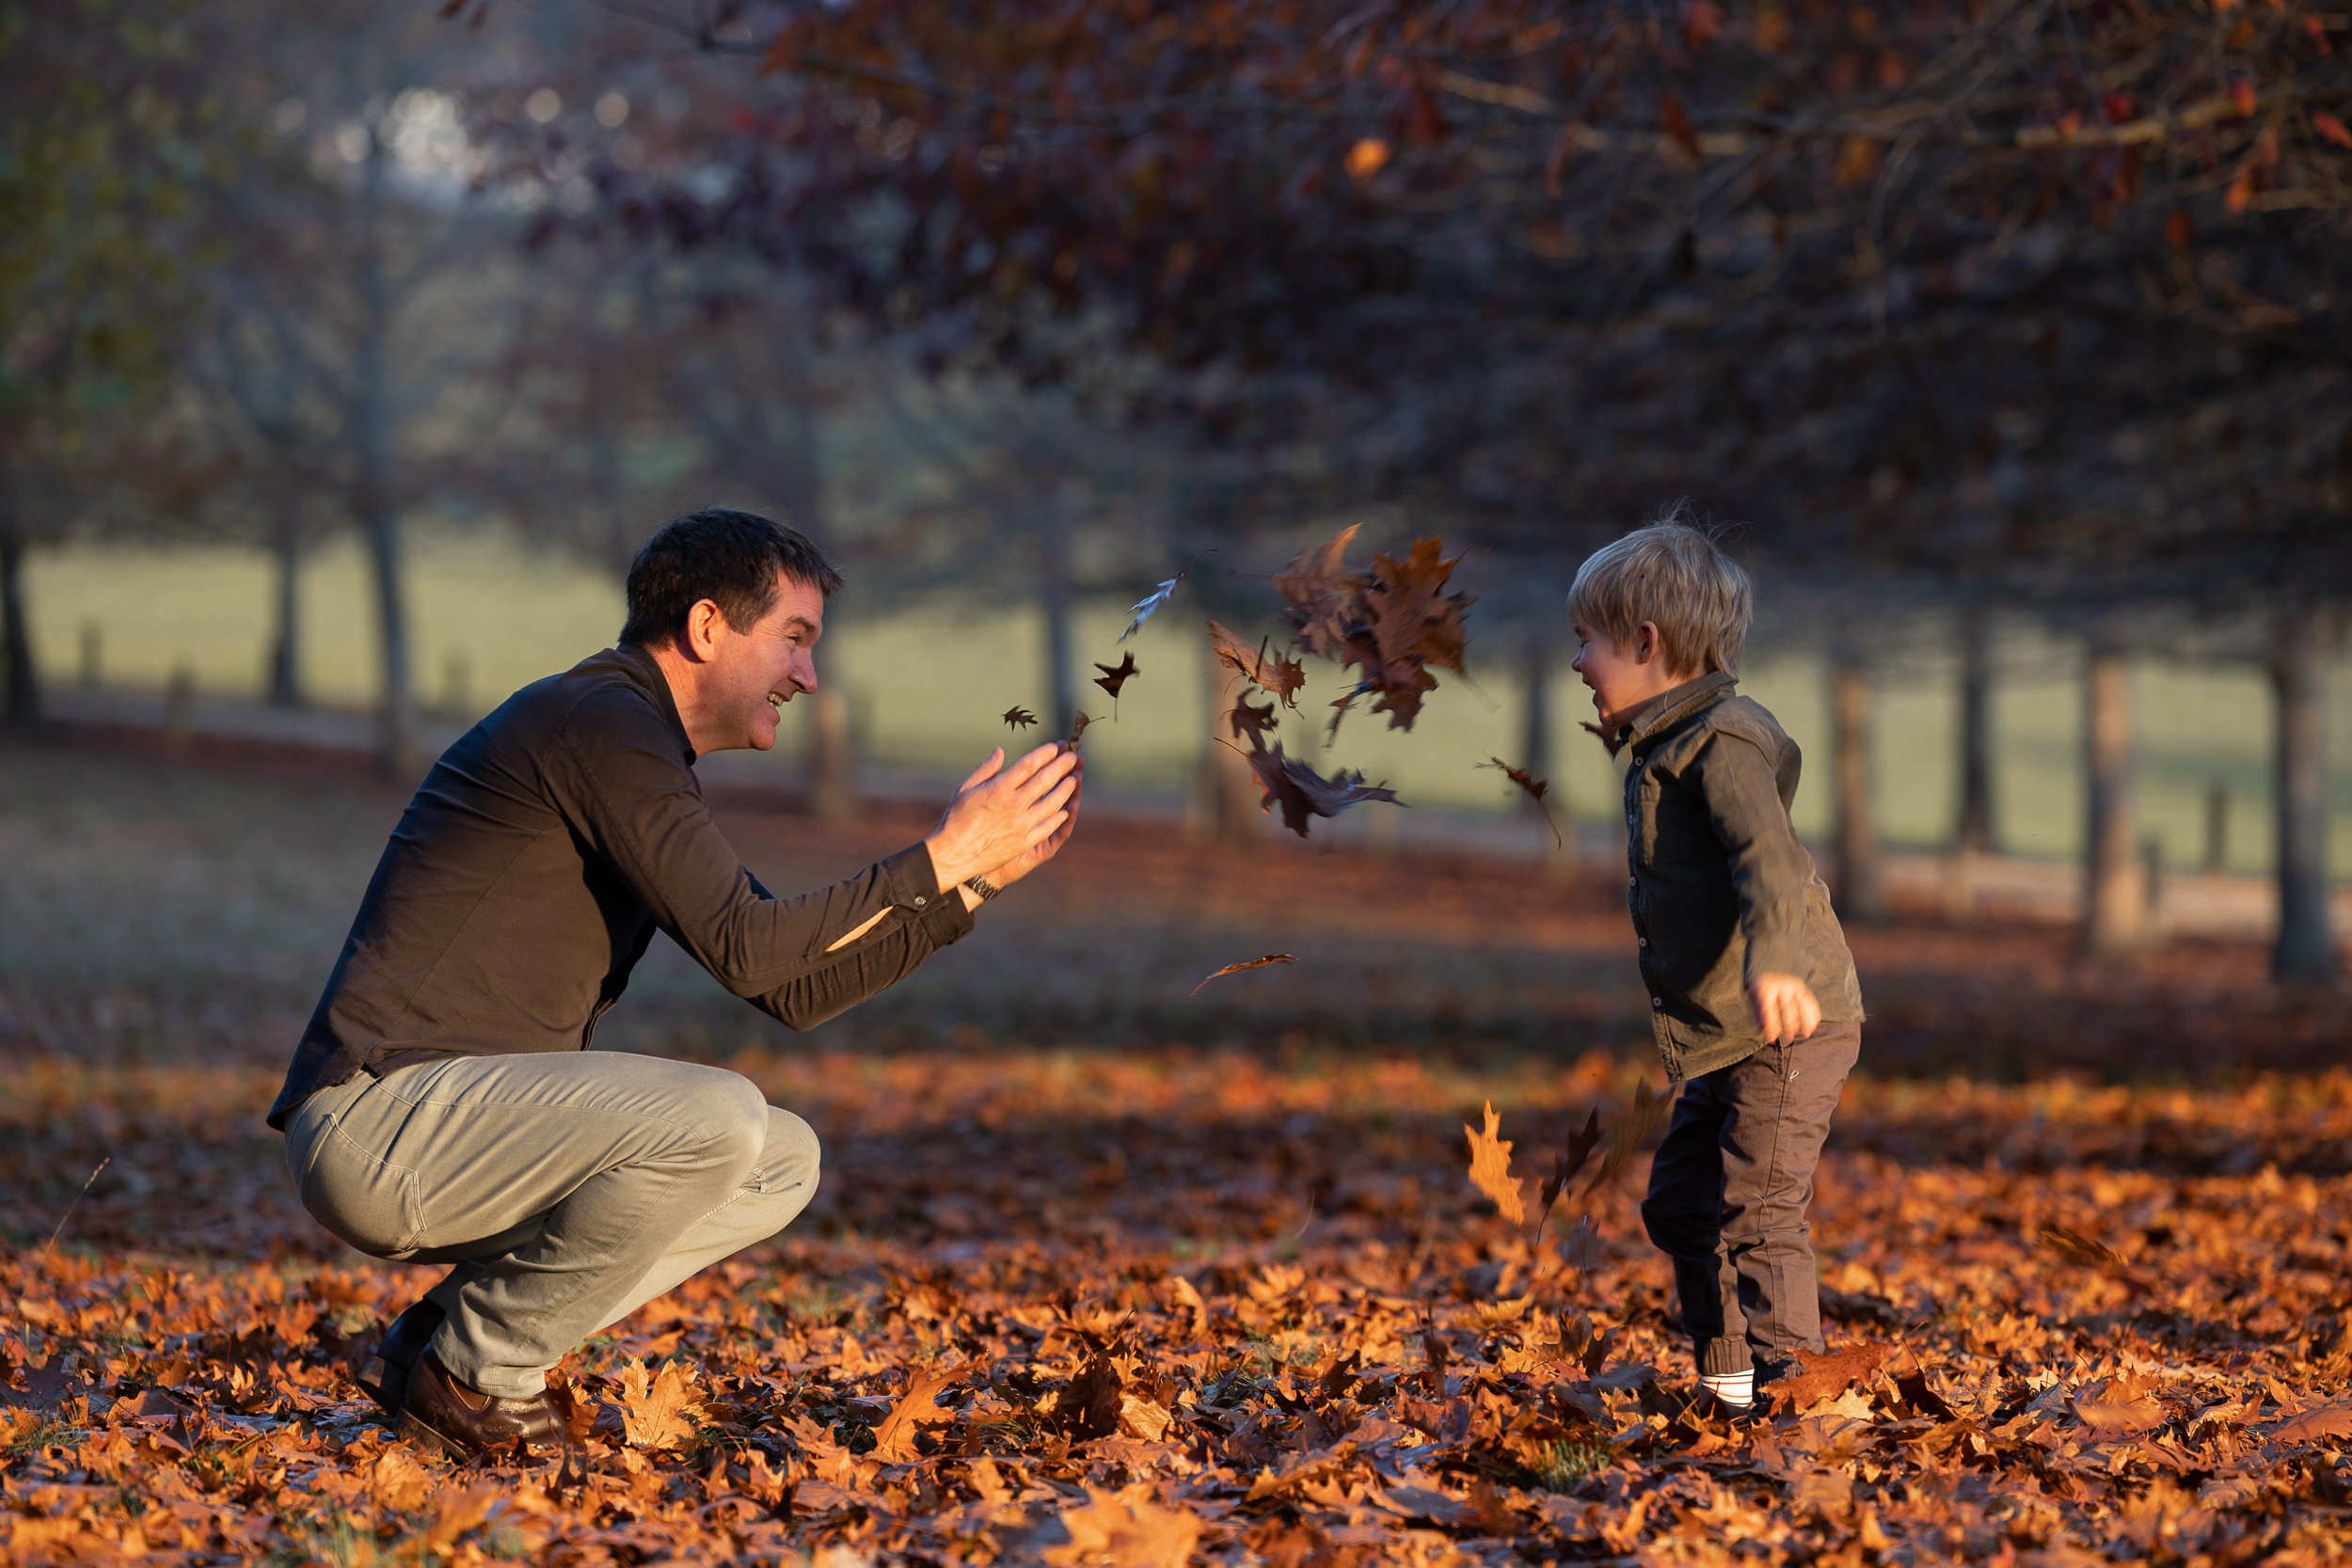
928,689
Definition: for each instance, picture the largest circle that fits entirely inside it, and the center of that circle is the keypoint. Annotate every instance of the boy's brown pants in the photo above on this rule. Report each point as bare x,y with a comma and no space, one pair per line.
1727,1196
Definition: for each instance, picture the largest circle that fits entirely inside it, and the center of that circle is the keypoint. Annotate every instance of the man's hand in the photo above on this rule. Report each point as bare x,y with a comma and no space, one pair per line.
1786,1009
1012,871
1002,815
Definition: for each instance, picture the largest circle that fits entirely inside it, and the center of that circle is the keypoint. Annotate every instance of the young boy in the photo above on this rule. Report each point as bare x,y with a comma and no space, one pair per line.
1752,998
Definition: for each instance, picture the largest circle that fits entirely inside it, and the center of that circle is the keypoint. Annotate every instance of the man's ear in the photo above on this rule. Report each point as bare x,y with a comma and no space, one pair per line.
700,642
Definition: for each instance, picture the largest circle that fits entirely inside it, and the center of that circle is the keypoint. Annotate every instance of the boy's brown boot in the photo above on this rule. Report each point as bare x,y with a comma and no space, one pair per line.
385,1373
466,1423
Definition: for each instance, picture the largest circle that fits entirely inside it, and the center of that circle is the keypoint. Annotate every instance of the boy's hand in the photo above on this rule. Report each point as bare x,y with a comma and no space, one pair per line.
1786,1009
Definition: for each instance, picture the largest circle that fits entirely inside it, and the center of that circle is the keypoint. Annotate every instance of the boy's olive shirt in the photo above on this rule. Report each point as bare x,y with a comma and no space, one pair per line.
531,871
1720,887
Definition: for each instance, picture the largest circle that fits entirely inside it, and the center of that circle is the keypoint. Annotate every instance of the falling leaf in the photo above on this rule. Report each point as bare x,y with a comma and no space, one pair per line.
1077,728
1535,788
660,1410
1269,671
1567,1164
1302,792
1490,1167
1115,676
1236,969
918,1407
2082,1248
1250,722
1393,620
1147,606
1019,718
1648,1110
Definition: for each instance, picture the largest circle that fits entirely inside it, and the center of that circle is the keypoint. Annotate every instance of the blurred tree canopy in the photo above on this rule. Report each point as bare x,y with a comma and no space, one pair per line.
2059,286
101,143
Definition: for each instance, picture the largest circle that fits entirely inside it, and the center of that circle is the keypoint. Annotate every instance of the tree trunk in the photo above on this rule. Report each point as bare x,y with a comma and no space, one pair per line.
1973,834
832,754
285,649
1535,754
1054,604
2307,947
379,516
2115,891
23,703
1859,876
1223,808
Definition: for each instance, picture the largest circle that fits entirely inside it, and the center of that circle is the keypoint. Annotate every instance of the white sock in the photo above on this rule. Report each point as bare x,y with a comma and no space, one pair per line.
1733,1388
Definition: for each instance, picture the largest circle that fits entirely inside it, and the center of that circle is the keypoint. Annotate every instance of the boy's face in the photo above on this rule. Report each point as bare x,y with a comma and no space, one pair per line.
1622,675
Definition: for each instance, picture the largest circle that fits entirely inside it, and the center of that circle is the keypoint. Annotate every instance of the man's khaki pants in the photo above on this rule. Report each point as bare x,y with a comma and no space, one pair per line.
568,1188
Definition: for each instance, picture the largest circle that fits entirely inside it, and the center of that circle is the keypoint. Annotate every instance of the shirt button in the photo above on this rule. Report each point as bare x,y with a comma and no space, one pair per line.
1641,941
1633,882
1631,816
920,900
1637,762
1656,1002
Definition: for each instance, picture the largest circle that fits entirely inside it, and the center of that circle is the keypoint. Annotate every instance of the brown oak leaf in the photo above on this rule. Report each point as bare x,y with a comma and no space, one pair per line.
1567,1164
1302,792
1019,718
1649,1109
1490,1167
1246,963
1091,1405
1115,676
1535,788
1268,670
1250,722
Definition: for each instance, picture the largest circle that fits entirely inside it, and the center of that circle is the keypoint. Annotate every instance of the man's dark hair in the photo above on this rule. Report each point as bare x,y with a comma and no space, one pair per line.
728,557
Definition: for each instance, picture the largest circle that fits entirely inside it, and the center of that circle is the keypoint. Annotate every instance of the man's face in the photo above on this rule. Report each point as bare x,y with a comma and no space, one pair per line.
757,670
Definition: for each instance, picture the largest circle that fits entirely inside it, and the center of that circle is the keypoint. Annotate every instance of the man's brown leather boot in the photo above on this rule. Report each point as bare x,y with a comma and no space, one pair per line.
465,1423
385,1373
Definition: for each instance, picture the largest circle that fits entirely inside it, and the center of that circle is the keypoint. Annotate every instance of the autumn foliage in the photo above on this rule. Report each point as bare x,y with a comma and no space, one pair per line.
1216,1284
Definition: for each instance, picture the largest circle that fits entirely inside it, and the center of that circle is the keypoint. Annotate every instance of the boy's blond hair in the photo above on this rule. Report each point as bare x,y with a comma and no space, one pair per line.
1675,576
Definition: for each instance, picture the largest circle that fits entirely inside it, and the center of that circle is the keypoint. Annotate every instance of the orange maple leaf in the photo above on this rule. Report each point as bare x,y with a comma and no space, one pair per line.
918,1407
1490,1167
1127,1529
660,1410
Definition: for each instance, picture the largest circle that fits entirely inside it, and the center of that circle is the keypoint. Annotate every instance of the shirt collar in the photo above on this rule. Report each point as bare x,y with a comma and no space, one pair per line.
649,672
1669,707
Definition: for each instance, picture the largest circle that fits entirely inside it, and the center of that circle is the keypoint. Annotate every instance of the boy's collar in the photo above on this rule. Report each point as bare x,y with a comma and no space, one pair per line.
1667,708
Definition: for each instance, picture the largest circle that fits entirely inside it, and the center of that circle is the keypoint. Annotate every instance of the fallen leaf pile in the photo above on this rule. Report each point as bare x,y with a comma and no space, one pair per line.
1099,1274
1169,1306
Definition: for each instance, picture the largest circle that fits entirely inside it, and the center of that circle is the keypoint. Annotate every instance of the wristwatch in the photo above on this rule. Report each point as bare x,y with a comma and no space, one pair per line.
981,885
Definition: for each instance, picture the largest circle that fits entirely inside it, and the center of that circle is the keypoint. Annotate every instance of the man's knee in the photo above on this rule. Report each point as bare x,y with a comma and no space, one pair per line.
729,1118
793,1155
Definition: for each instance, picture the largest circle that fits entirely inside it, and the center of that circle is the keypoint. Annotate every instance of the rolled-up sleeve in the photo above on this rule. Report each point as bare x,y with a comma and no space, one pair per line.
632,797
1769,868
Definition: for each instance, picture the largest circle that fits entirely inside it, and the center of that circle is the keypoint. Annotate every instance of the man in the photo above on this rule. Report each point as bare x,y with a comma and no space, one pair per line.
443,1105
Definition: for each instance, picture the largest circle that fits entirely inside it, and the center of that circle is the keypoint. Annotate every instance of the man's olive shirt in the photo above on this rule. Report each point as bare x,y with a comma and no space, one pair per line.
529,874
1719,887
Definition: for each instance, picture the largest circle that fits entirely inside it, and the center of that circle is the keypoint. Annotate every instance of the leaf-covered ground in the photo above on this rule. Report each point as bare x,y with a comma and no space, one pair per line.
1101,1273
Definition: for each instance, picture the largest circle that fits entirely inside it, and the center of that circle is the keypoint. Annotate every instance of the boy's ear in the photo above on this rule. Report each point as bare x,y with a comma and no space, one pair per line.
1647,643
